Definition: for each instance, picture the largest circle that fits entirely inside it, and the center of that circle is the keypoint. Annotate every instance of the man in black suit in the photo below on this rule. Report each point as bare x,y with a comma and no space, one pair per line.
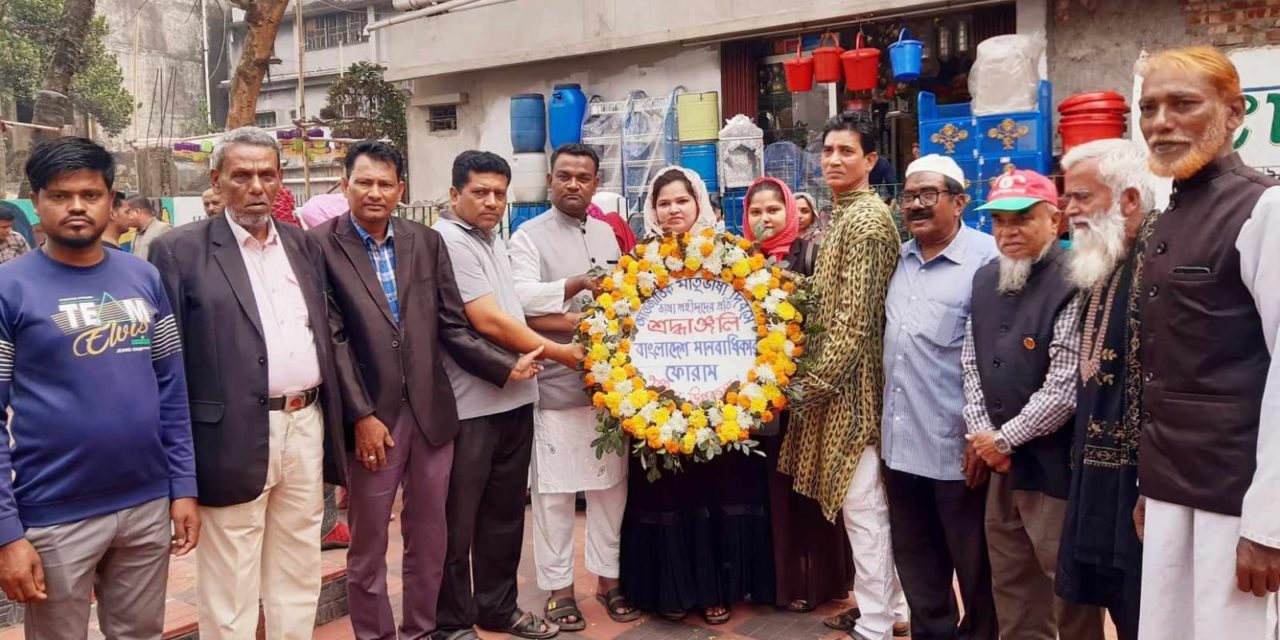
264,350
394,283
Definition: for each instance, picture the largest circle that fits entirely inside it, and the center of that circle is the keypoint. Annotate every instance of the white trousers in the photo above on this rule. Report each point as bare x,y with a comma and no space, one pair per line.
1189,579
866,520
553,521
268,548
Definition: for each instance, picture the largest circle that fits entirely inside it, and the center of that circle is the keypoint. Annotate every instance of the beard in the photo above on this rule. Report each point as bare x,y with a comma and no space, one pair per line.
1097,248
75,242
248,220
1202,151
1014,272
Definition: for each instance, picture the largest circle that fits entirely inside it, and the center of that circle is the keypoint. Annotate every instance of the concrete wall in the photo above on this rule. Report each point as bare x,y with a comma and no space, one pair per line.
484,121
1096,50
151,35
519,31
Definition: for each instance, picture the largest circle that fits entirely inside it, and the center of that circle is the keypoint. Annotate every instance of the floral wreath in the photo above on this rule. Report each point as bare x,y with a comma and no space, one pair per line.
664,428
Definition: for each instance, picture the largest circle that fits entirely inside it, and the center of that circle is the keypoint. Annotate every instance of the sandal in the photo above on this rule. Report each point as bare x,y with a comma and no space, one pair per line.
524,624
460,634
800,606
845,620
617,606
719,618
560,608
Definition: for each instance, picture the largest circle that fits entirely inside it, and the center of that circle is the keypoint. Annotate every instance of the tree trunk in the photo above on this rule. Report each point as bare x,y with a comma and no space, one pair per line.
263,19
52,104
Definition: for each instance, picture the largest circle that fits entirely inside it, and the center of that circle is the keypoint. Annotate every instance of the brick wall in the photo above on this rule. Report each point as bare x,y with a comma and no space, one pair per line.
1231,24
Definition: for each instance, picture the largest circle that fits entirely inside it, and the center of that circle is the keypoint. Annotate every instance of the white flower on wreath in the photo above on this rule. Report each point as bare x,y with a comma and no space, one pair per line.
770,305
777,327
597,324
647,279
789,349
758,279
751,389
626,408
625,387
713,262
695,245
622,308
734,255
601,370
766,374
673,263
647,411
678,423
714,417
704,435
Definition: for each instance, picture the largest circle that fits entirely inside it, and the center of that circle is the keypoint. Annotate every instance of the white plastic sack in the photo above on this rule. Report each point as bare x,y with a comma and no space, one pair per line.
1005,77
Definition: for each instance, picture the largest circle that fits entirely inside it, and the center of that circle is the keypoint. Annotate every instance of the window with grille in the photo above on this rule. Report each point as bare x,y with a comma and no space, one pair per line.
265,119
443,118
334,29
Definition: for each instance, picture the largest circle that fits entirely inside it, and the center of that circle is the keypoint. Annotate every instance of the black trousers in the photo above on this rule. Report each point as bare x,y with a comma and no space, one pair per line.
937,530
486,520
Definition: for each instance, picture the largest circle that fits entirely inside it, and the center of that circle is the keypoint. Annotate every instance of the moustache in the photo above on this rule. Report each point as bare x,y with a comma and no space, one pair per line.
921,214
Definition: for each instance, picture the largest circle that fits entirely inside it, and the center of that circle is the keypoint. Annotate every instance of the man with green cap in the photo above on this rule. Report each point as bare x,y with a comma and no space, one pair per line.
1020,359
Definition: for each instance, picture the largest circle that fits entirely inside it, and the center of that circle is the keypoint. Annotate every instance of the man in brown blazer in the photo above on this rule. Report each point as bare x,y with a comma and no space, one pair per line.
395,285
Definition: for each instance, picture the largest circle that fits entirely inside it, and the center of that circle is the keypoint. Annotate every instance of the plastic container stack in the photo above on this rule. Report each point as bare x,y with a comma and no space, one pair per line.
522,212
1095,115
529,177
699,129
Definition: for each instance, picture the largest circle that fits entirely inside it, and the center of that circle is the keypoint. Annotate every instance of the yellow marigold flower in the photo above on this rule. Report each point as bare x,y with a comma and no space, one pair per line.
772,391
686,444
759,405
698,419
759,291
726,274
692,262
757,262
665,249
605,300
606,284
613,327
706,249
639,431
618,374
644,265
597,400
742,268
612,400
686,408
625,261
638,398
654,439
599,351
745,245
653,395
786,311
730,413
631,270
661,415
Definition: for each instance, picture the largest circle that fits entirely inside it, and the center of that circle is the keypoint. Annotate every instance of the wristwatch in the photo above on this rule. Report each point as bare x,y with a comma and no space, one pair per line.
1002,444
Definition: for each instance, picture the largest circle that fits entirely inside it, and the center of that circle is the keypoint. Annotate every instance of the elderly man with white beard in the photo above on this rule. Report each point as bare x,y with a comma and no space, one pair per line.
1020,364
1110,194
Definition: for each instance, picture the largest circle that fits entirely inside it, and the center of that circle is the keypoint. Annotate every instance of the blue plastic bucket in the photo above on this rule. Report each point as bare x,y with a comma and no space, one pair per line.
906,56
565,112
732,205
701,158
524,212
528,123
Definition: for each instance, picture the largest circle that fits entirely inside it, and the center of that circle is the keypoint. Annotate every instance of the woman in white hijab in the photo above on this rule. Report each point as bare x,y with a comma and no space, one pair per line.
677,202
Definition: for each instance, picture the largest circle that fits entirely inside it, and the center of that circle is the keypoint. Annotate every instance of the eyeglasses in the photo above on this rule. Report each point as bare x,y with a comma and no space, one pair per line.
927,198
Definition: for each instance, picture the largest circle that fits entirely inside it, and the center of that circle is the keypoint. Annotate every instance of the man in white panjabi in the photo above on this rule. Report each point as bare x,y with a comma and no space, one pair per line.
550,258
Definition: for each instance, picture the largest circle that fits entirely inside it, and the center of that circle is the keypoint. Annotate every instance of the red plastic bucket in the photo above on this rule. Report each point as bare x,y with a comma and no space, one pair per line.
799,72
861,67
826,60
1079,132
1088,96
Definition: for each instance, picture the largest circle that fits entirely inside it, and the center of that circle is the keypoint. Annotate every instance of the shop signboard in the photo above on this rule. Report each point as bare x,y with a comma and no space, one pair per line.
1258,141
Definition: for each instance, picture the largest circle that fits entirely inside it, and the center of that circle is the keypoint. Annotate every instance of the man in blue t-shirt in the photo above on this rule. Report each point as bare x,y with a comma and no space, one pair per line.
101,460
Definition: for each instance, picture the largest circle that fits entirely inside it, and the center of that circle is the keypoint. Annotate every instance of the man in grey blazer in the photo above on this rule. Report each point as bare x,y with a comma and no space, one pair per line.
394,283
264,352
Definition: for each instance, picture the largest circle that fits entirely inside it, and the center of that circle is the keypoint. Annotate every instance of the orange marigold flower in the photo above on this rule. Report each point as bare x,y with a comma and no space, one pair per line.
673,447
731,398
686,408
610,313
767,416
739,283
744,402
789,286
743,435
597,399
589,380
707,249
780,403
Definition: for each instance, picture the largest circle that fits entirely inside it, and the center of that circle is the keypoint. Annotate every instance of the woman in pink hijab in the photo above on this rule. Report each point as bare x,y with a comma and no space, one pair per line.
812,562
770,217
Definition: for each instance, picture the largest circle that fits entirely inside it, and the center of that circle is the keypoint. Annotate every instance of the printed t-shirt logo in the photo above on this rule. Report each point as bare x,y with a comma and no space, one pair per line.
104,324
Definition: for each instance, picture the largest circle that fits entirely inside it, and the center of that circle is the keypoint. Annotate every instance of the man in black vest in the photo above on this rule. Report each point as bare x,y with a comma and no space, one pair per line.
1021,359
1209,460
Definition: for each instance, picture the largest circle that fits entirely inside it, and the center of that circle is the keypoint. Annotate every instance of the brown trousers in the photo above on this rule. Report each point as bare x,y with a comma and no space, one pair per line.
1023,532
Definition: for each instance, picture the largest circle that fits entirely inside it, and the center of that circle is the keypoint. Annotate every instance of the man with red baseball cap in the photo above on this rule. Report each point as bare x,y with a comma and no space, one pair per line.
1021,358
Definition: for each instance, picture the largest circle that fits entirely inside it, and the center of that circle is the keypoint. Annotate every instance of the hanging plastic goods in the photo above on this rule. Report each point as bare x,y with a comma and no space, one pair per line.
799,71
861,66
782,160
826,59
906,55
1005,77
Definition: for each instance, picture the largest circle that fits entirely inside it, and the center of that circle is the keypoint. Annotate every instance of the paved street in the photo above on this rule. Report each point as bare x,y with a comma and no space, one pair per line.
750,622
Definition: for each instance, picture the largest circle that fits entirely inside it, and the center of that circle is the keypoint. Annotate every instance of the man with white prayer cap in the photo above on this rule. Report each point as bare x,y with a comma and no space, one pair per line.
936,485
